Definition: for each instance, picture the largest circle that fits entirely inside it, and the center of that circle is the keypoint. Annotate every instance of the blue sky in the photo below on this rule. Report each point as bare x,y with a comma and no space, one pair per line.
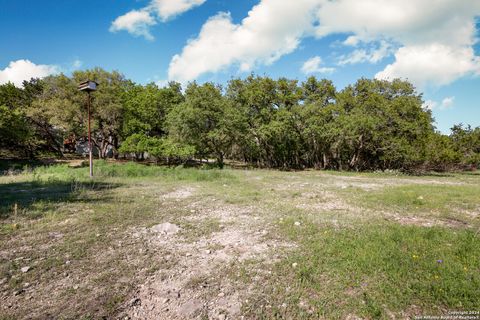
431,42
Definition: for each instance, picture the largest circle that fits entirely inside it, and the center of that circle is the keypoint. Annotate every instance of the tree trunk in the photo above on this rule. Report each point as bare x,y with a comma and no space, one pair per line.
220,160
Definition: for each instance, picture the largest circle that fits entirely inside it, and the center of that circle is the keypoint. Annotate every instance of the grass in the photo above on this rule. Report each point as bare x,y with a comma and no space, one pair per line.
91,218
204,228
58,183
443,199
372,271
347,256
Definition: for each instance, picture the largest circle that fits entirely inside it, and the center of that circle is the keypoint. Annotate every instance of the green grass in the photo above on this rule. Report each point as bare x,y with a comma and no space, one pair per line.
17,166
347,262
46,185
452,204
104,169
93,217
372,270
416,198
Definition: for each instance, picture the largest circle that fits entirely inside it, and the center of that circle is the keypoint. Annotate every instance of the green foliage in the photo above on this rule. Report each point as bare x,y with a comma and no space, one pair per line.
205,120
56,112
370,125
132,143
15,132
147,106
107,106
159,148
170,150
466,142
440,153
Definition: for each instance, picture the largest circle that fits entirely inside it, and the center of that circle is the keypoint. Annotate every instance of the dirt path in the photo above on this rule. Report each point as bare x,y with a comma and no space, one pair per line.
198,285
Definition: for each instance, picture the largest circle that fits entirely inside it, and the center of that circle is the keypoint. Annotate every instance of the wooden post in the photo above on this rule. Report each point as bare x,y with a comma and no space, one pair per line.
90,153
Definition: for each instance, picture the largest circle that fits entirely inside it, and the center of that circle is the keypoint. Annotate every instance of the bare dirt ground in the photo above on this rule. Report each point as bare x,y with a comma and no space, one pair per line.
195,288
155,249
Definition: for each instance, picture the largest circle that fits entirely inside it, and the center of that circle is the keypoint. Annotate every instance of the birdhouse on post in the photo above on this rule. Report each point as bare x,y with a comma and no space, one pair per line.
88,86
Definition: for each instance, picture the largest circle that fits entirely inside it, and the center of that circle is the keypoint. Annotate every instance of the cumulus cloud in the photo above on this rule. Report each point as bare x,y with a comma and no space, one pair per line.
434,63
167,9
425,30
314,65
139,22
373,54
434,39
20,70
352,41
446,103
272,29
407,21
135,22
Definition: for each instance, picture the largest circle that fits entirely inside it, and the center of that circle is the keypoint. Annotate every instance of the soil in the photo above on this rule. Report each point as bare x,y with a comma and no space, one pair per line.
194,288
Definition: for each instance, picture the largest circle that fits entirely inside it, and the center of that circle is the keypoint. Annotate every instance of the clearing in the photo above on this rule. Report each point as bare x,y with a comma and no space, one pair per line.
146,242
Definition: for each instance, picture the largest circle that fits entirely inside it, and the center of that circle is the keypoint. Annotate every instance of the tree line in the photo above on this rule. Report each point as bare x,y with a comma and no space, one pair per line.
283,123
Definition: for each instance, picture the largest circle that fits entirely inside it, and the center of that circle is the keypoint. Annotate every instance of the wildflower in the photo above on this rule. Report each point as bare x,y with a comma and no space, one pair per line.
414,256
439,261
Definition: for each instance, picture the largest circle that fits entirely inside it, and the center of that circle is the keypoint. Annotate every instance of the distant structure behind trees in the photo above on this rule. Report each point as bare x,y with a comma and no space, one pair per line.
371,125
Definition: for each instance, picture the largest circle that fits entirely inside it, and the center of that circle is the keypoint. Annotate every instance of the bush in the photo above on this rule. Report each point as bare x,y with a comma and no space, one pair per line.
162,149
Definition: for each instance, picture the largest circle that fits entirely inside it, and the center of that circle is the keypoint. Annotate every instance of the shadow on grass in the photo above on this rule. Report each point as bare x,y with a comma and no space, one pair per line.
471,173
9,166
450,174
26,194
435,175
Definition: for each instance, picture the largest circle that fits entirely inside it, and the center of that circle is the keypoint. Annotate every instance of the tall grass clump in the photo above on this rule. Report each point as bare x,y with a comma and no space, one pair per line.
105,169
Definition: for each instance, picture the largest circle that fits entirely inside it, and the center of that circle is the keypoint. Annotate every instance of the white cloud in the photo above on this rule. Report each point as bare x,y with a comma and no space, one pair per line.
434,38
435,64
314,65
416,32
20,70
167,9
408,21
272,29
372,54
352,41
135,22
139,22
446,103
